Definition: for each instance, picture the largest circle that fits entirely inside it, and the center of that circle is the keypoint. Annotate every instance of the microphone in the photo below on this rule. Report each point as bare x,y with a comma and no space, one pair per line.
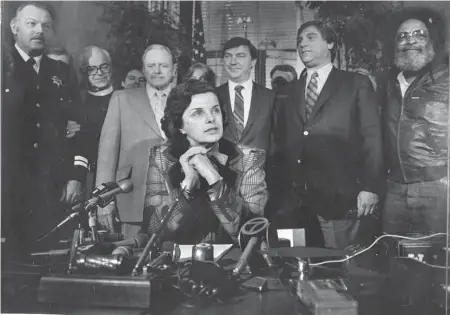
92,261
125,247
153,239
170,253
264,248
53,252
243,260
124,186
138,241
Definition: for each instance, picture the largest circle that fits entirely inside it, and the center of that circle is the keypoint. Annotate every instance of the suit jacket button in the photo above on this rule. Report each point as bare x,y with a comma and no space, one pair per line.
38,125
6,90
299,161
38,105
35,145
305,133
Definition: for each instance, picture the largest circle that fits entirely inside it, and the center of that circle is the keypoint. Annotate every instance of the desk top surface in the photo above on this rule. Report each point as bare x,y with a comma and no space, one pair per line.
366,286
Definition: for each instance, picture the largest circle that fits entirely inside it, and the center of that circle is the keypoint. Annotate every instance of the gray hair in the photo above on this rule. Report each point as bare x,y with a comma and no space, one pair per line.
87,53
162,47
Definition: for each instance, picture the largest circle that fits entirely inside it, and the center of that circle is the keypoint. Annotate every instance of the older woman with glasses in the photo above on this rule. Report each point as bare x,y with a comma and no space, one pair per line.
206,184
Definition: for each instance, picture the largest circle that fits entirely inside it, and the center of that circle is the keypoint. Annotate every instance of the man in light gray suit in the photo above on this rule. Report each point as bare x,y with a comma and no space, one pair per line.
132,126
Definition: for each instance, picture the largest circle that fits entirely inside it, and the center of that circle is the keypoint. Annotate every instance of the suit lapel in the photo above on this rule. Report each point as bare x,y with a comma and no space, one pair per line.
224,95
329,88
301,97
142,104
255,107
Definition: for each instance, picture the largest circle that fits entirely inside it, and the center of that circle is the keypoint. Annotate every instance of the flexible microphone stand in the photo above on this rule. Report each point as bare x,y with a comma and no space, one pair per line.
88,208
155,236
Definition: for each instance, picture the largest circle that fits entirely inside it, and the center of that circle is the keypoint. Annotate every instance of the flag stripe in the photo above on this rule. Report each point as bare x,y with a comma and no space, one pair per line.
198,35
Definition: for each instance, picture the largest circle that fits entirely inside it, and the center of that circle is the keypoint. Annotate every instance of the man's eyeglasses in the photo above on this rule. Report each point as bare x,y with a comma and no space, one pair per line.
418,35
104,68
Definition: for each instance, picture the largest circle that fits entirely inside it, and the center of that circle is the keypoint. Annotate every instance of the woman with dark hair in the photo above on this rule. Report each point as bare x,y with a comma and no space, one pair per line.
210,186
202,72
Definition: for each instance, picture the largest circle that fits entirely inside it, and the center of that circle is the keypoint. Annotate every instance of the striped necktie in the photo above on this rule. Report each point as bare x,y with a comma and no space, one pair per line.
311,95
239,109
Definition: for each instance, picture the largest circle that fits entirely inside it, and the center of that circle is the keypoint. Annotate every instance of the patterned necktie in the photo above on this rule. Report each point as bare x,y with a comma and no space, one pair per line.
239,109
159,110
311,95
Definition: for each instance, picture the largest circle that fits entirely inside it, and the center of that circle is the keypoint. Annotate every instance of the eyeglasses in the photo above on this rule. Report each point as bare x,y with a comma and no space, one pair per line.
104,68
418,35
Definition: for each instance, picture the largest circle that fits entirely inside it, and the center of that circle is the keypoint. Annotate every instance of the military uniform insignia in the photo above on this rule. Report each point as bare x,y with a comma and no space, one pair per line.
57,81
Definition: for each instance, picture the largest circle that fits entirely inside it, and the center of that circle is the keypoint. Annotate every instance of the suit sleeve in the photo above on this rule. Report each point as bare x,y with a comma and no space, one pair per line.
74,111
109,145
372,177
158,200
275,158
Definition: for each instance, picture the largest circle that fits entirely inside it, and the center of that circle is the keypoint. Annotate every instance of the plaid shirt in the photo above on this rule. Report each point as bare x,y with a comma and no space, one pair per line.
242,194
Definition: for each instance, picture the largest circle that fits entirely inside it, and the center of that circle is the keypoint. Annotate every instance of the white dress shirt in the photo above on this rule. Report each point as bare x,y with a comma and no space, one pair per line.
322,76
158,103
25,57
403,83
246,94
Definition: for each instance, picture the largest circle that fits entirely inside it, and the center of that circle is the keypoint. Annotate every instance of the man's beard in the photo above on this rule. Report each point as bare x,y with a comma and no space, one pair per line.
413,61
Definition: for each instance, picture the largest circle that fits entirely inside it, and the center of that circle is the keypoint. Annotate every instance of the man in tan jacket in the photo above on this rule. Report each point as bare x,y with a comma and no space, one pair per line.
132,126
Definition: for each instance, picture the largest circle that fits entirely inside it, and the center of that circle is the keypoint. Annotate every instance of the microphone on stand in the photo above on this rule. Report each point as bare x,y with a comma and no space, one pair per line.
125,247
155,236
170,254
243,260
138,241
124,186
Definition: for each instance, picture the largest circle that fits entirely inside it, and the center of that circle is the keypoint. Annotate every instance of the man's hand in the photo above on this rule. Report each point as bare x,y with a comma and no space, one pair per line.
367,203
106,217
72,192
72,128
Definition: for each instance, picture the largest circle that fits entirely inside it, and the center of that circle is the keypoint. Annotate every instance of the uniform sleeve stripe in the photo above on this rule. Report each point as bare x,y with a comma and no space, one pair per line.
81,158
81,163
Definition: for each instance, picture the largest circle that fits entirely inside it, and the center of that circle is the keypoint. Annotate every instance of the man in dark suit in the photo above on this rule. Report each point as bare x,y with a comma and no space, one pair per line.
248,106
40,167
328,138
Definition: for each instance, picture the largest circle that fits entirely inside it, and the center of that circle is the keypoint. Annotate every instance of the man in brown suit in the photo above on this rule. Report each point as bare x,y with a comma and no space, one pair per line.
132,126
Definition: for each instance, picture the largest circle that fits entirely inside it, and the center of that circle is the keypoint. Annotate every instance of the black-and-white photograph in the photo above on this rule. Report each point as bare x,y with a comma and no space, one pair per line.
225,157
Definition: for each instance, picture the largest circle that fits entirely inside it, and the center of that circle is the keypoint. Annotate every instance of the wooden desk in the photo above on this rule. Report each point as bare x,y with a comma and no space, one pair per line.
20,290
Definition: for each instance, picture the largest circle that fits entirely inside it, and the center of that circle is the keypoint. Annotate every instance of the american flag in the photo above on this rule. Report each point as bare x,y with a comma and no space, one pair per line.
198,35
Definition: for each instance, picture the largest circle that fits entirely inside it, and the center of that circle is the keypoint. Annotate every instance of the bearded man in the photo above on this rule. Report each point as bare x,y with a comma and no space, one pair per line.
416,122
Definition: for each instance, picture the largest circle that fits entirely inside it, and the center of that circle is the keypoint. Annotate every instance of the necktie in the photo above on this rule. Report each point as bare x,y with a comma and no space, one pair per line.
160,107
31,63
311,95
239,109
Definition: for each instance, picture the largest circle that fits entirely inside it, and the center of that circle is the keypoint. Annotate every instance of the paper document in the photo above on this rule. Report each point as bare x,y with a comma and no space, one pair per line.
219,251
